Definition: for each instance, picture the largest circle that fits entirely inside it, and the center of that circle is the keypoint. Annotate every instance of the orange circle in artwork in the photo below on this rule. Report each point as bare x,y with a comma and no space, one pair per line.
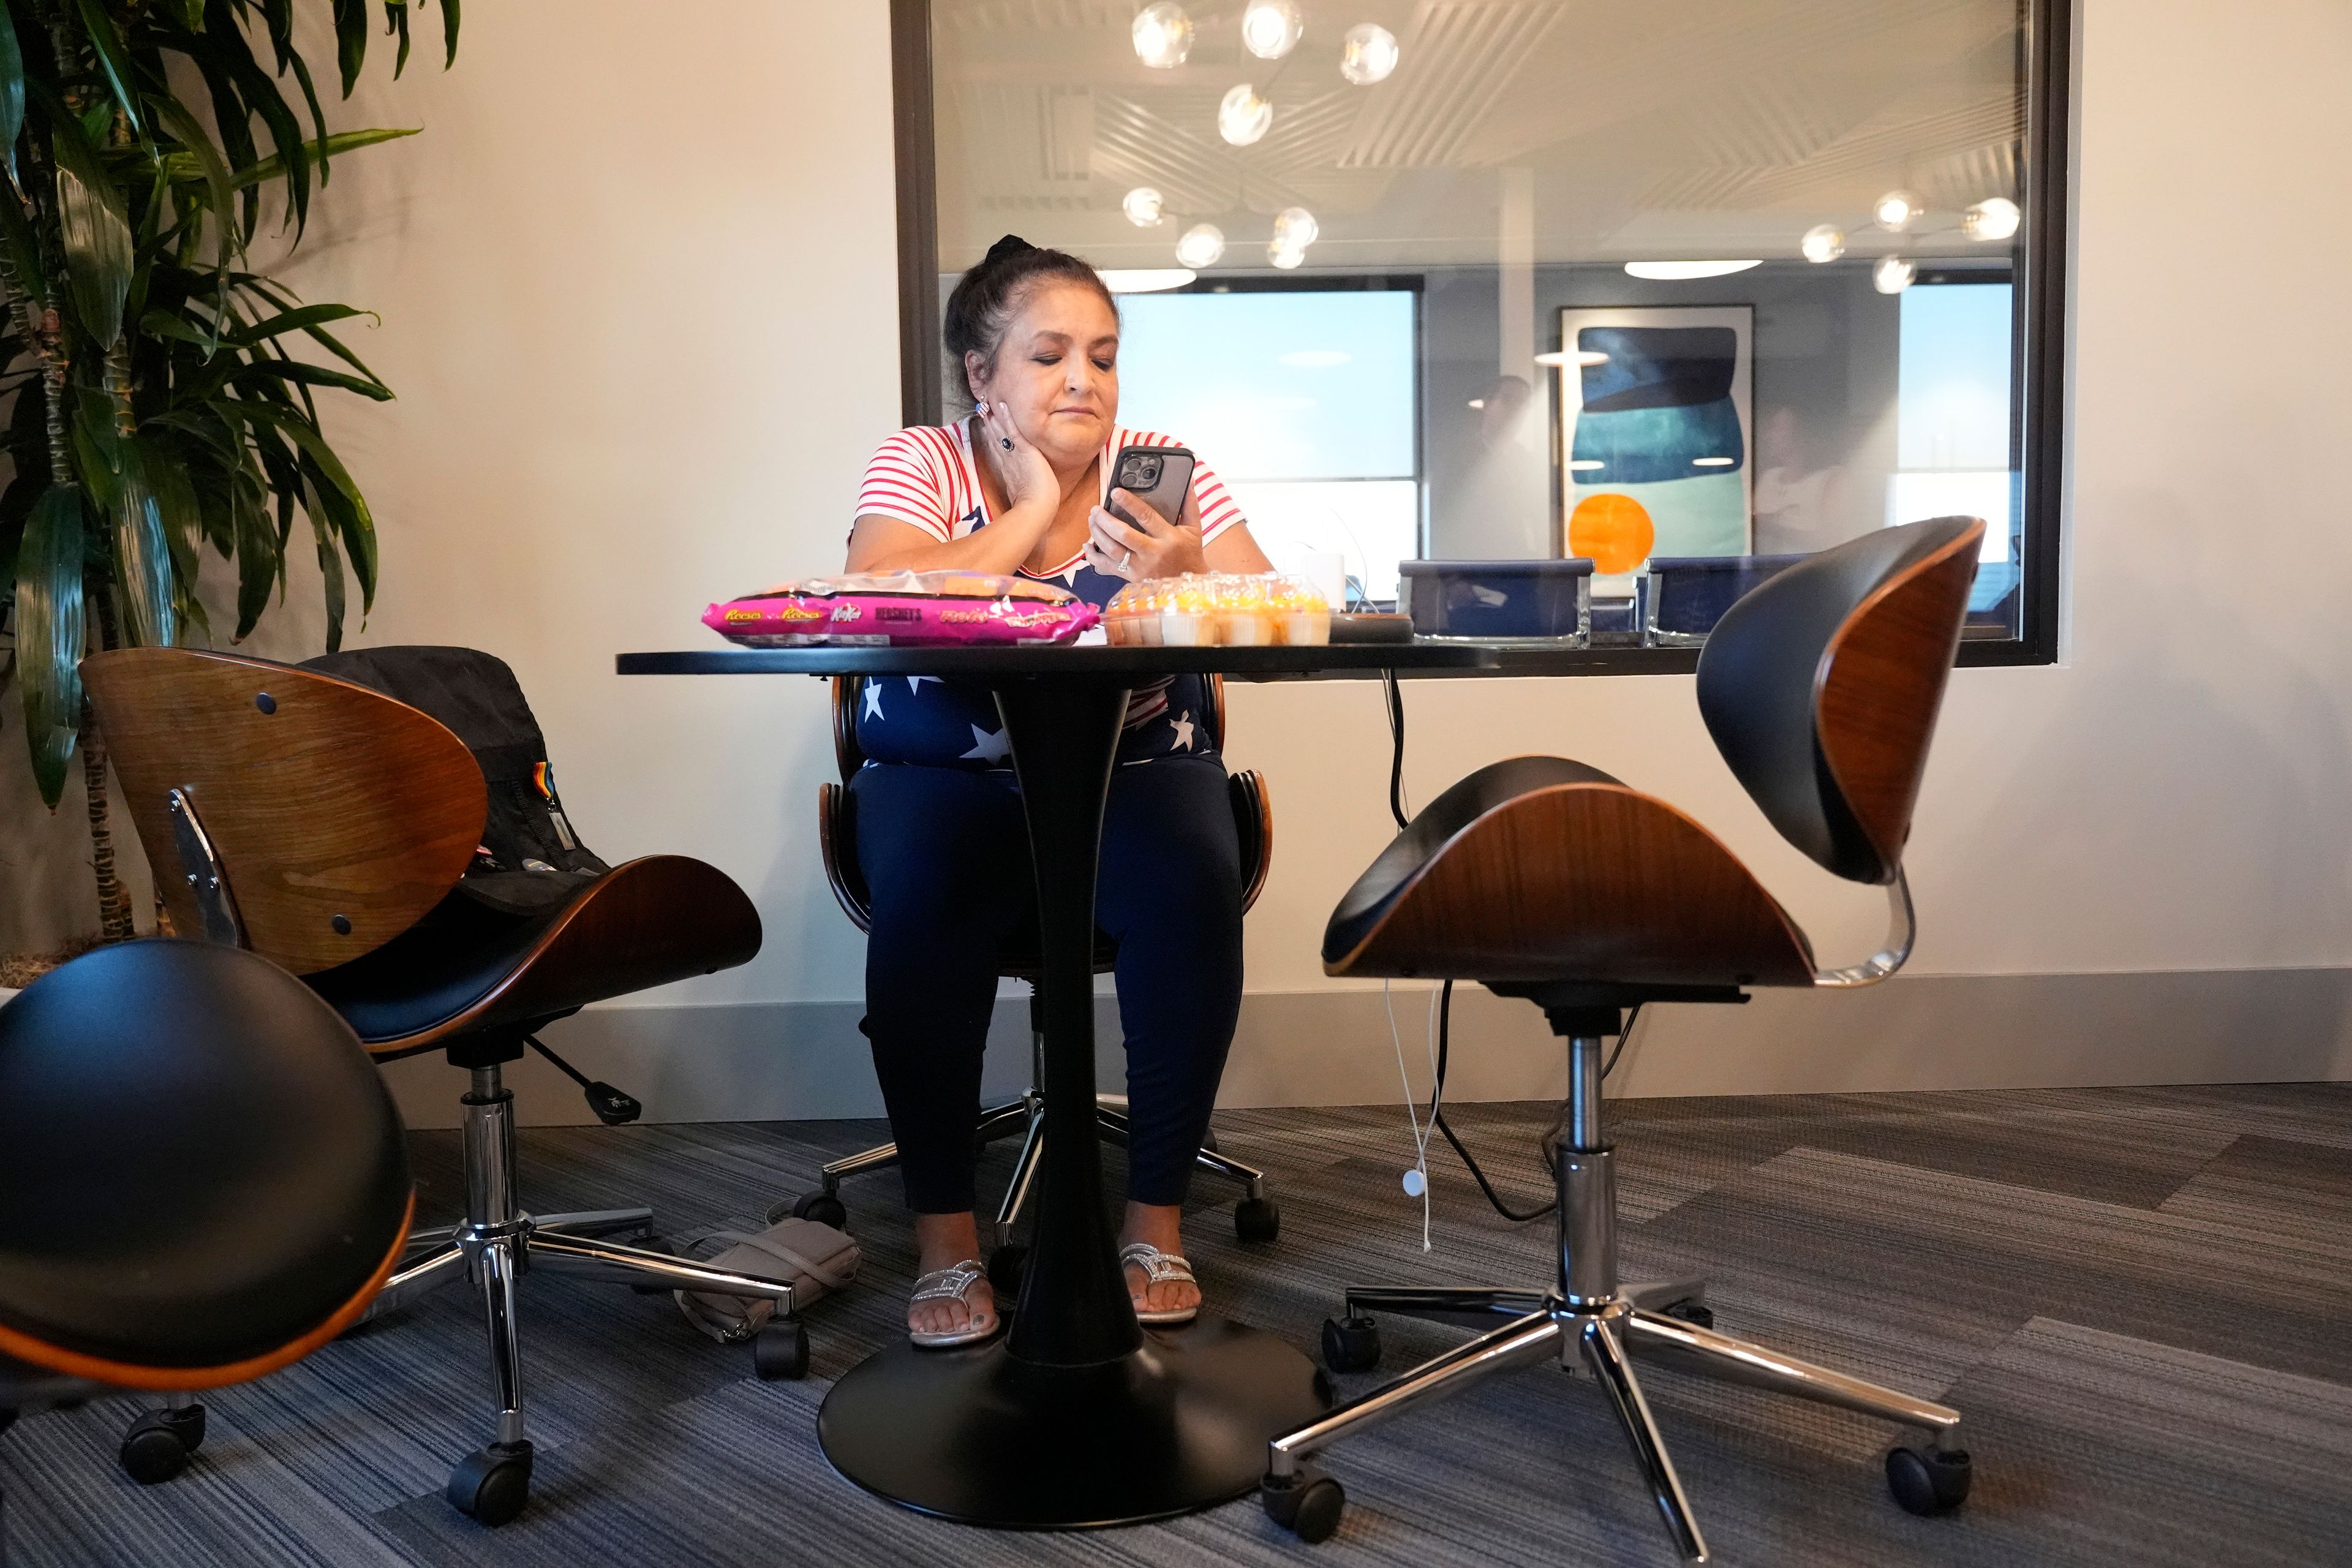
1614,532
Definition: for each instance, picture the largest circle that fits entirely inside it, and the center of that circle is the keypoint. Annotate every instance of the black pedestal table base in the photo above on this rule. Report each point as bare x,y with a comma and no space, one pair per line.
980,1437
1076,1417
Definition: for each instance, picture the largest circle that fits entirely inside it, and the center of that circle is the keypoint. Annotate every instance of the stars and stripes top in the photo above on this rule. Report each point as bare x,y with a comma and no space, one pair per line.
928,477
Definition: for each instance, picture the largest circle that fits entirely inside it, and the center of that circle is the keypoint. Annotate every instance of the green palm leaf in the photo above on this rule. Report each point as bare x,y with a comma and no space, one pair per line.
96,229
143,554
50,633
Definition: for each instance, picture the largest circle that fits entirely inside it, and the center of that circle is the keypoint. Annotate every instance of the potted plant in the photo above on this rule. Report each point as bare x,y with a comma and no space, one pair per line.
159,397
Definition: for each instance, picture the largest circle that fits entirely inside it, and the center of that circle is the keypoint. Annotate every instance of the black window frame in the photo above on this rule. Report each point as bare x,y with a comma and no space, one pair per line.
2046,92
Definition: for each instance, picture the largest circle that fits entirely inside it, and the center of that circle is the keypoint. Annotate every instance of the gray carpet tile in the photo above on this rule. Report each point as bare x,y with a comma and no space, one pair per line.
2045,1259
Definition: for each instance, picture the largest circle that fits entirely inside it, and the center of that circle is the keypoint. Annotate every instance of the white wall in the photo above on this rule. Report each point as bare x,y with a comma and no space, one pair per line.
638,293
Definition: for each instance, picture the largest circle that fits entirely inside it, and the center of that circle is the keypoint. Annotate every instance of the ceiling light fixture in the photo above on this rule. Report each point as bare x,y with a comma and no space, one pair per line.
1270,28
1295,229
1141,206
1896,210
1285,256
1368,54
1202,245
1144,280
1822,242
1713,462
1893,275
1585,464
1477,402
1162,34
1559,357
1995,217
1676,270
1243,116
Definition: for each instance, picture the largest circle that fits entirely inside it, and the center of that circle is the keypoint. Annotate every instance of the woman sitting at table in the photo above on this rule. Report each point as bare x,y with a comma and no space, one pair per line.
1020,486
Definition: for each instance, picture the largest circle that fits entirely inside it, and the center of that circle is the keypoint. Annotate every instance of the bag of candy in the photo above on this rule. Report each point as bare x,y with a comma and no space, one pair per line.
903,609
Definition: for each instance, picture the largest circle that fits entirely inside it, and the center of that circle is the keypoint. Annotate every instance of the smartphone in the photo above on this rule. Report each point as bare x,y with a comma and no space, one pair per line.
1161,475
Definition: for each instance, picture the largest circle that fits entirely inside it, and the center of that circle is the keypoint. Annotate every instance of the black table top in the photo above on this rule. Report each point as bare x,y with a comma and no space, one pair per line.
1339,660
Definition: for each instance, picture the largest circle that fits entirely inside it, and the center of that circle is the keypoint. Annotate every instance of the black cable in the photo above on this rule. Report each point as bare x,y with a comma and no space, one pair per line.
1396,755
1395,698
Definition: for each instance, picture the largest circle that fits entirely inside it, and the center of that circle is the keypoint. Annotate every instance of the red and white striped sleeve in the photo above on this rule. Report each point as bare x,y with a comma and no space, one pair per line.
1219,510
909,479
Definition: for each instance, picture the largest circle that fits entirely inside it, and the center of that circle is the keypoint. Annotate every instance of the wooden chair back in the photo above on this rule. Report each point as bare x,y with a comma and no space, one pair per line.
1822,687
339,814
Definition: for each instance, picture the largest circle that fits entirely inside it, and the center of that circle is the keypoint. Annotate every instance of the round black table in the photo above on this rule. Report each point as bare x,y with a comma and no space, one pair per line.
1077,1416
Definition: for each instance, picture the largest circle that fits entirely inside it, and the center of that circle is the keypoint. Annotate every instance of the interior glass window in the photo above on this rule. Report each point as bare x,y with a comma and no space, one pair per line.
1638,280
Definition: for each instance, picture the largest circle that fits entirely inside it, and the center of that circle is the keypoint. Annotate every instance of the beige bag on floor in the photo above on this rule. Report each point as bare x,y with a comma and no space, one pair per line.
816,1259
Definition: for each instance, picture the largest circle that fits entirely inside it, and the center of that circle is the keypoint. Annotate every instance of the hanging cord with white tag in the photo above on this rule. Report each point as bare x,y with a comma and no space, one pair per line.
1443,1001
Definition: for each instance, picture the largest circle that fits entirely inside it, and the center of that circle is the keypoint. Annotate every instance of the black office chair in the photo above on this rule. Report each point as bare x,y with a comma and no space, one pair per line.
1256,1218
202,1180
1550,880
325,825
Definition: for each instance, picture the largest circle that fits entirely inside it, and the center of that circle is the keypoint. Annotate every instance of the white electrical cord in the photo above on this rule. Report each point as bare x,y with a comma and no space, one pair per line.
1416,1181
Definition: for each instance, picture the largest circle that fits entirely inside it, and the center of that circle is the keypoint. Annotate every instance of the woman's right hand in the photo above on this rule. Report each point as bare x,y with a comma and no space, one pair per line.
1027,478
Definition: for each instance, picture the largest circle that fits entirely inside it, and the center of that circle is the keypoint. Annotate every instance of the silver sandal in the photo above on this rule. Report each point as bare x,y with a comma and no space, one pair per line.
1158,1268
955,1283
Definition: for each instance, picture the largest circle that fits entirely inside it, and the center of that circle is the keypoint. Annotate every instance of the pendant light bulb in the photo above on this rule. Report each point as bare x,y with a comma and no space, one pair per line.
1203,245
1285,256
1270,28
1141,206
1368,54
1896,210
1891,275
1995,217
1162,34
1295,228
1243,116
1822,242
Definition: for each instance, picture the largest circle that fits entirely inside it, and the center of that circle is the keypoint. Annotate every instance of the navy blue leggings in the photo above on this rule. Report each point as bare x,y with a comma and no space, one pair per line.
946,856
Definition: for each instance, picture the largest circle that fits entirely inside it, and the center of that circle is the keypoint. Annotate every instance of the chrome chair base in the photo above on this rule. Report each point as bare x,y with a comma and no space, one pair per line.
498,1243
1588,1319
1255,1218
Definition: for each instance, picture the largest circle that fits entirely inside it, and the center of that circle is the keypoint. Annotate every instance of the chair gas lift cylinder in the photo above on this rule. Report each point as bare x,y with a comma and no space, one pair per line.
1821,688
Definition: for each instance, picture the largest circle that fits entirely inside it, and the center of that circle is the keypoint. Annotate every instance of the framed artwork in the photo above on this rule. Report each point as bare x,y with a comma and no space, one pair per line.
1657,421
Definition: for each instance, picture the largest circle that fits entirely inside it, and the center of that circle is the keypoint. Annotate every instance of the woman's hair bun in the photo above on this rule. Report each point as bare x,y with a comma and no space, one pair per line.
985,300
1010,245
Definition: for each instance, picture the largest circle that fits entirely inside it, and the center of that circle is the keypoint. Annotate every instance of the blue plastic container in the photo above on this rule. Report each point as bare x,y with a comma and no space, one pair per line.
1684,595
1547,600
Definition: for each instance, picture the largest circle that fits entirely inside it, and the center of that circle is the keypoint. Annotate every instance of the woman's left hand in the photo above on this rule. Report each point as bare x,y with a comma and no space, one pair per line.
1157,548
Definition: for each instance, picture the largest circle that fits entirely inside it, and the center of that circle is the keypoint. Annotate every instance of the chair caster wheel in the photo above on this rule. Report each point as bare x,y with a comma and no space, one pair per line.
1307,1504
160,1444
1006,1267
1351,1344
781,1350
668,1248
492,1485
821,1206
1928,1481
1689,1309
1258,1219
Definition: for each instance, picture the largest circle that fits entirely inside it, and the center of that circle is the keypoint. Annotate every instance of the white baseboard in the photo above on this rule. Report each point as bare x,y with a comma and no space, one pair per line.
794,1061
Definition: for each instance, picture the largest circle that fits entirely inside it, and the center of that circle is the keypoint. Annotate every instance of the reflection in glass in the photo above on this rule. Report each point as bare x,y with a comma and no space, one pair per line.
1243,116
1502,170
1162,34
1368,54
1270,28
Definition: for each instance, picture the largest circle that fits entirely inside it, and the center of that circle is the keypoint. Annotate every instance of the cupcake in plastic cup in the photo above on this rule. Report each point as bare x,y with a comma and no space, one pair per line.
1303,614
1144,628
1185,620
1245,617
